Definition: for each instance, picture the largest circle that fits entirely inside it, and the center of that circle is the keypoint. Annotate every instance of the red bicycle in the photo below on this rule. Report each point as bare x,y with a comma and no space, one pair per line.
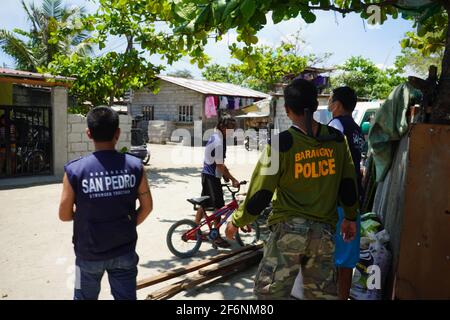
185,237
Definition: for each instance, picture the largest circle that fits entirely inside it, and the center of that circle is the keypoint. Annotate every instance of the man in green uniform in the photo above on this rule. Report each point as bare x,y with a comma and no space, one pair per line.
315,171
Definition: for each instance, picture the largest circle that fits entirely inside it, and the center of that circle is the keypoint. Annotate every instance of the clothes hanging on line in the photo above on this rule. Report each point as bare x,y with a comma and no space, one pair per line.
210,107
237,102
223,102
230,103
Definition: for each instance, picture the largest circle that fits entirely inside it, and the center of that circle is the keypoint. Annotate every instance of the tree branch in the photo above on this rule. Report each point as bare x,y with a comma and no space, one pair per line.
349,10
122,73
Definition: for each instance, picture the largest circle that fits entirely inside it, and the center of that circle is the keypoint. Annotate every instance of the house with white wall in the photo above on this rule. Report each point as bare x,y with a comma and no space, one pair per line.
182,102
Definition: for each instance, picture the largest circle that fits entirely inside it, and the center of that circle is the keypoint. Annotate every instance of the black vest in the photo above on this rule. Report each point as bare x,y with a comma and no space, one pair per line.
105,185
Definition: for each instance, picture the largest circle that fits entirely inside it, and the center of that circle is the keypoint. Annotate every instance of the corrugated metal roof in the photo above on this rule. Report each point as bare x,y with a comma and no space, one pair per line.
214,88
258,109
31,75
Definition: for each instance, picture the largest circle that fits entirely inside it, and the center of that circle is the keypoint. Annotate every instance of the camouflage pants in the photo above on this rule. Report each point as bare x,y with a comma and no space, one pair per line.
293,244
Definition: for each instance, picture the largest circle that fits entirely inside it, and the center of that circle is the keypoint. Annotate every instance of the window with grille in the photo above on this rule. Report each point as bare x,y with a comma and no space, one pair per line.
148,113
185,113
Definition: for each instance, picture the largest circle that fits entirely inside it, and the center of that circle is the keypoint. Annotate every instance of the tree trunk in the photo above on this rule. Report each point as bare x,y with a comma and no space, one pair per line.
441,109
122,71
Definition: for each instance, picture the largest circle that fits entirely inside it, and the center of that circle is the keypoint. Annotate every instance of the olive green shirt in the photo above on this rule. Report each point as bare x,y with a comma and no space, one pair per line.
312,178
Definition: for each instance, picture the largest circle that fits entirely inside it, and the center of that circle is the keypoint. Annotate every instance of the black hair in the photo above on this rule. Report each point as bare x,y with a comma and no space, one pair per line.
299,95
346,96
103,123
226,122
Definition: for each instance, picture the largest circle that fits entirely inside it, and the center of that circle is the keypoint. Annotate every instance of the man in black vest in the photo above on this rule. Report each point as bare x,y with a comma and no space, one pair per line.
341,104
99,194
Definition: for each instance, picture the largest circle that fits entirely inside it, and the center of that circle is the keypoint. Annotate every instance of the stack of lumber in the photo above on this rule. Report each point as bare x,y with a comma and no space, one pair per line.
220,266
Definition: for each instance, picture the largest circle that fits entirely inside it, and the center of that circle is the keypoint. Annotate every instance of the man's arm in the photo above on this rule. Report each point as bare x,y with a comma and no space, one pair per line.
259,195
67,202
348,196
145,199
227,174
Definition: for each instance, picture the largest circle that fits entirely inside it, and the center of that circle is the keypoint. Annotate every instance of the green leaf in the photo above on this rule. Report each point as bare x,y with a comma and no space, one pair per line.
203,16
308,16
186,12
421,30
231,6
278,15
248,9
253,39
217,9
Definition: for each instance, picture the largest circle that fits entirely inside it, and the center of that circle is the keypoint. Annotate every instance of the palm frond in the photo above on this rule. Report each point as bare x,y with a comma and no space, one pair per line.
83,49
53,8
79,38
17,49
22,32
31,14
72,13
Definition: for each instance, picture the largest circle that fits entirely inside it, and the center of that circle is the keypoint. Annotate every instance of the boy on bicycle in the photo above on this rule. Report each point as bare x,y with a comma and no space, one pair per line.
214,169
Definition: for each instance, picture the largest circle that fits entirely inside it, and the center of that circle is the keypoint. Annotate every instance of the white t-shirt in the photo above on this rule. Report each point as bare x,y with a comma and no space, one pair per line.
337,124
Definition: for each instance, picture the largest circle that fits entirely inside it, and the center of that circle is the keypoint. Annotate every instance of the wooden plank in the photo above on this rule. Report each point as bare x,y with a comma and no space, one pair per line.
194,266
223,268
424,260
219,267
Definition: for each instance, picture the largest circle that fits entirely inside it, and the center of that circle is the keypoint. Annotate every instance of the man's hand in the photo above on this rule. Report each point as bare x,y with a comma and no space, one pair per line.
230,231
235,183
348,230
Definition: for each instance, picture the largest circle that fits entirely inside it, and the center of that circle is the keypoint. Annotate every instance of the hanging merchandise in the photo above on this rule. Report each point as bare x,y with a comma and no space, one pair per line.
223,102
237,102
216,101
390,125
374,260
210,107
230,103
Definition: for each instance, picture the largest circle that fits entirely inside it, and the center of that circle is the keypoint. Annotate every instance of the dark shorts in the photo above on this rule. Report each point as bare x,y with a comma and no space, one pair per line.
211,186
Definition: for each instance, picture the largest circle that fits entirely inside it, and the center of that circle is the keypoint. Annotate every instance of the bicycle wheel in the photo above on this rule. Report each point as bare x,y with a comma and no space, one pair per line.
248,238
179,247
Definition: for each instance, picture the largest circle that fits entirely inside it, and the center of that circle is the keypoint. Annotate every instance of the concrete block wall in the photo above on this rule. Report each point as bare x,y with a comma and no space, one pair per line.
78,143
167,100
160,131
282,122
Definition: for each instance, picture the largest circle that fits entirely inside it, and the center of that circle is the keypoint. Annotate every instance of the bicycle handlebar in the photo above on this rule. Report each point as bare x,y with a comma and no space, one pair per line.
237,189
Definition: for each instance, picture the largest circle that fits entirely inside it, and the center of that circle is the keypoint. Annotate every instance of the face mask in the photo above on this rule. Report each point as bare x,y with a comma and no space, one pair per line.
330,106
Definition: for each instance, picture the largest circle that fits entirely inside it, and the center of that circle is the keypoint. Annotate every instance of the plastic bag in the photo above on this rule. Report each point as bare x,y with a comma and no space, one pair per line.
369,276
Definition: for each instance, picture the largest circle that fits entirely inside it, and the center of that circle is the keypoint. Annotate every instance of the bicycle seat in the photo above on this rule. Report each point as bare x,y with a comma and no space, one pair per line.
199,201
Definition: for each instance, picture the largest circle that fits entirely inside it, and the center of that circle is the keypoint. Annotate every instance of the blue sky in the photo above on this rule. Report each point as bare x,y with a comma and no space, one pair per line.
343,37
